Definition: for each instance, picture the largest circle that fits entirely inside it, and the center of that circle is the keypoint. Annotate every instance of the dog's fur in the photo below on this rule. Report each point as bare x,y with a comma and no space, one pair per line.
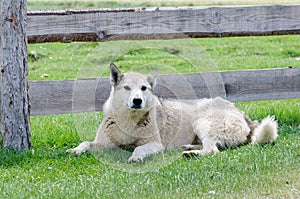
134,116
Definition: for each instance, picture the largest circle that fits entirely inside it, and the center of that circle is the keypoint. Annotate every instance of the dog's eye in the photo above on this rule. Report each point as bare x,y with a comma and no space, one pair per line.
144,88
127,88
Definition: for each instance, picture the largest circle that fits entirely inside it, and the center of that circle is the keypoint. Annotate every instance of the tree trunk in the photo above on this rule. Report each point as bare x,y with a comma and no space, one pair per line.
14,98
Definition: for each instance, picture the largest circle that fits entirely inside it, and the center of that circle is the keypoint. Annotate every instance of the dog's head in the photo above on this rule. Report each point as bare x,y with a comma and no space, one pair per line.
132,90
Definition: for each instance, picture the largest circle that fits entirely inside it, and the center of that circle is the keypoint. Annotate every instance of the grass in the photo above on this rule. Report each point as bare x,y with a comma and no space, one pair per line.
269,171
67,4
82,59
248,172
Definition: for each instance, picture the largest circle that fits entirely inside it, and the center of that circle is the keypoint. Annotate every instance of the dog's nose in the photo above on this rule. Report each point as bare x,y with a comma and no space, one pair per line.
137,102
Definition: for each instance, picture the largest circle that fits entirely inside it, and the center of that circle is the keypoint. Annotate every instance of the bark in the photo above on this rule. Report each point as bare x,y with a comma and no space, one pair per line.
14,98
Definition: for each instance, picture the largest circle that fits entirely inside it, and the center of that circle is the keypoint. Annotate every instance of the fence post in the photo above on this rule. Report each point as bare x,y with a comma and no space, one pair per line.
14,98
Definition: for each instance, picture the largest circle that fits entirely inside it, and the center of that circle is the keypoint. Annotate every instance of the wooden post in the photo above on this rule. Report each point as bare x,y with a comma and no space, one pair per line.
14,98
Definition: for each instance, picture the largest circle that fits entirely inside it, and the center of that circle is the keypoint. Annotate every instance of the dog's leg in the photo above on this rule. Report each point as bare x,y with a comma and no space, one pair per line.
203,129
145,150
101,142
209,146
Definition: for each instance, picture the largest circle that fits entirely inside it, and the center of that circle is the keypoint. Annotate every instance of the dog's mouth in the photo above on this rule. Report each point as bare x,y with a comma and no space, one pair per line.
134,107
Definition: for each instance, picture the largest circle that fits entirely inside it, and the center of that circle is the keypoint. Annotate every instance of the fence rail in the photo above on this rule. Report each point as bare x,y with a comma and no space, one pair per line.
161,23
85,95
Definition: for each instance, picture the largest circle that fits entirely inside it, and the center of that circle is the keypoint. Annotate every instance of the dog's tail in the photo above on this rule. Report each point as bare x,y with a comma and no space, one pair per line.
265,132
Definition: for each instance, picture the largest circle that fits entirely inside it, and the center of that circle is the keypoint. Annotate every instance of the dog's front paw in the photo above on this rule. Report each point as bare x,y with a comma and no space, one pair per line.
71,151
75,151
82,148
135,159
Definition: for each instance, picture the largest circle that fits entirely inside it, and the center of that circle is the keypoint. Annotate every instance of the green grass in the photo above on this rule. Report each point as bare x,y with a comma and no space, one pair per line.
248,172
75,60
251,171
67,4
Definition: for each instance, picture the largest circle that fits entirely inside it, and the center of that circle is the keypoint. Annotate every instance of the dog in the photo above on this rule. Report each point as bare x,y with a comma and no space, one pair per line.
134,116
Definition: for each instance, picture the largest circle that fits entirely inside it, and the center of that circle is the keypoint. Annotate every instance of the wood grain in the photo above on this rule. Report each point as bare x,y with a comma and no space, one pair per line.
84,95
161,23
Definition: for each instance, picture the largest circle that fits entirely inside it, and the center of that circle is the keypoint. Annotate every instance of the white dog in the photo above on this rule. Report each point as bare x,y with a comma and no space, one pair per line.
134,116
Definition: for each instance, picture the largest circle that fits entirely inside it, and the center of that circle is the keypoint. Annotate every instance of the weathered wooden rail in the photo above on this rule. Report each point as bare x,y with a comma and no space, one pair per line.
161,23
84,95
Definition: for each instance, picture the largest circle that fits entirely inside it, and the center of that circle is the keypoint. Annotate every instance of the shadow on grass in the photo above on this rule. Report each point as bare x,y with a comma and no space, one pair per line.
114,159
10,158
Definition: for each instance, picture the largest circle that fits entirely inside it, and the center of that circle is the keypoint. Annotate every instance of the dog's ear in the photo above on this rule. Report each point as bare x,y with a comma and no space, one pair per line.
152,79
115,75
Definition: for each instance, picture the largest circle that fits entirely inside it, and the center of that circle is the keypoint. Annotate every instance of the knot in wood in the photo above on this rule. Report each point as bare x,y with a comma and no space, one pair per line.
101,35
216,18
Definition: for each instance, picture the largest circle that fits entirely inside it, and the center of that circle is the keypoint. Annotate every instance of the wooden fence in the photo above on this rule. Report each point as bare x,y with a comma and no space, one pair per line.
68,96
